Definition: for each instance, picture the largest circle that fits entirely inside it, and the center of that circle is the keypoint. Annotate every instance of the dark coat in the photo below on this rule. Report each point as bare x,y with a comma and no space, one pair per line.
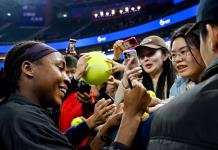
190,122
25,126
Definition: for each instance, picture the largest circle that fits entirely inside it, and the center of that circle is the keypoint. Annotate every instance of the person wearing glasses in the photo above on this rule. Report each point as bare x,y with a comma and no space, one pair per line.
193,125
186,59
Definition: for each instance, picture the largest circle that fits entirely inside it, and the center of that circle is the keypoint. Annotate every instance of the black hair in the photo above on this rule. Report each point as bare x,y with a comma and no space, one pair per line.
10,74
192,38
203,29
71,61
168,76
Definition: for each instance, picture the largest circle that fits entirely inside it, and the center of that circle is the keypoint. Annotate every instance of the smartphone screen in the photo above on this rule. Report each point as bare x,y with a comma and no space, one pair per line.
130,43
71,49
126,45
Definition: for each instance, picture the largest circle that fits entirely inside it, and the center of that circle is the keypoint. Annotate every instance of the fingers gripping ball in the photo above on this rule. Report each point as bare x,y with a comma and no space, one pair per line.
76,121
98,70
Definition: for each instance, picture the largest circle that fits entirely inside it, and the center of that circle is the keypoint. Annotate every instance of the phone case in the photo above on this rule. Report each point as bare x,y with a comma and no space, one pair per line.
130,43
129,54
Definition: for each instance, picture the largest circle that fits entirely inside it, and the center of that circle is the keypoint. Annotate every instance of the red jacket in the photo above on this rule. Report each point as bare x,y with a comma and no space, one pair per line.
72,108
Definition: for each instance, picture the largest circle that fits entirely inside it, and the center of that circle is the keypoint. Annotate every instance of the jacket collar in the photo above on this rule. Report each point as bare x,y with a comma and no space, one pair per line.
21,99
211,70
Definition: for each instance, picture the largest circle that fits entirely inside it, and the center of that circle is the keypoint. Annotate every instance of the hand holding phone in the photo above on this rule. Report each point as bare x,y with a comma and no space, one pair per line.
84,98
107,96
131,53
132,62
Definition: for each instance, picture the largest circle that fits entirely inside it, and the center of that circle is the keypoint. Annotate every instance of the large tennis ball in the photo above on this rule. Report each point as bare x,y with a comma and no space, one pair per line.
98,70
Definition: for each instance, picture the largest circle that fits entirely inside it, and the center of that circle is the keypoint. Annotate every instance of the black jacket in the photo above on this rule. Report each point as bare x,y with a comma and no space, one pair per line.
25,126
190,122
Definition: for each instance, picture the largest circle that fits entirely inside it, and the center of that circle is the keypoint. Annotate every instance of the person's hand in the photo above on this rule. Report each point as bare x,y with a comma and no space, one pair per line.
84,98
113,121
118,49
154,101
106,129
112,81
154,108
103,109
116,67
130,73
81,66
111,86
136,100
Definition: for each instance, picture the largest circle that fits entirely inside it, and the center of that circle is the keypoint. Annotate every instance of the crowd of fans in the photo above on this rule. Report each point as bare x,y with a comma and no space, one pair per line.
44,103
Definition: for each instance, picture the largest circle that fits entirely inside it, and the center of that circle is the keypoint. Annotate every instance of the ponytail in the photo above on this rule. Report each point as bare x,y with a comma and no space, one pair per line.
4,89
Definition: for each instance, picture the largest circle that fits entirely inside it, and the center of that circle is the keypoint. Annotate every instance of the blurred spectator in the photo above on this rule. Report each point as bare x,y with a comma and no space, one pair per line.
71,63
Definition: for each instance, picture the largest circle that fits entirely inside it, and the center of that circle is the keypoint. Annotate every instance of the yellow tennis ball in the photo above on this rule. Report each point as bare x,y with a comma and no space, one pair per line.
76,121
145,116
151,93
98,70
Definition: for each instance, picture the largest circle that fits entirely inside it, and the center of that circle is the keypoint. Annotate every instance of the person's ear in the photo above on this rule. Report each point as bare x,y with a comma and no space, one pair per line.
166,55
213,37
27,68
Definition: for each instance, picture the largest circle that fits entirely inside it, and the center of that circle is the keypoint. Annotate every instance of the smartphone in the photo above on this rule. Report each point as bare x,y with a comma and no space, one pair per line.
71,49
83,87
130,43
104,94
107,96
128,54
131,53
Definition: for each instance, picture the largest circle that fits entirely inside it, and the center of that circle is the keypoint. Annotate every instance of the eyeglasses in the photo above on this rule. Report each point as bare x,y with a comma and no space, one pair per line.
184,51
